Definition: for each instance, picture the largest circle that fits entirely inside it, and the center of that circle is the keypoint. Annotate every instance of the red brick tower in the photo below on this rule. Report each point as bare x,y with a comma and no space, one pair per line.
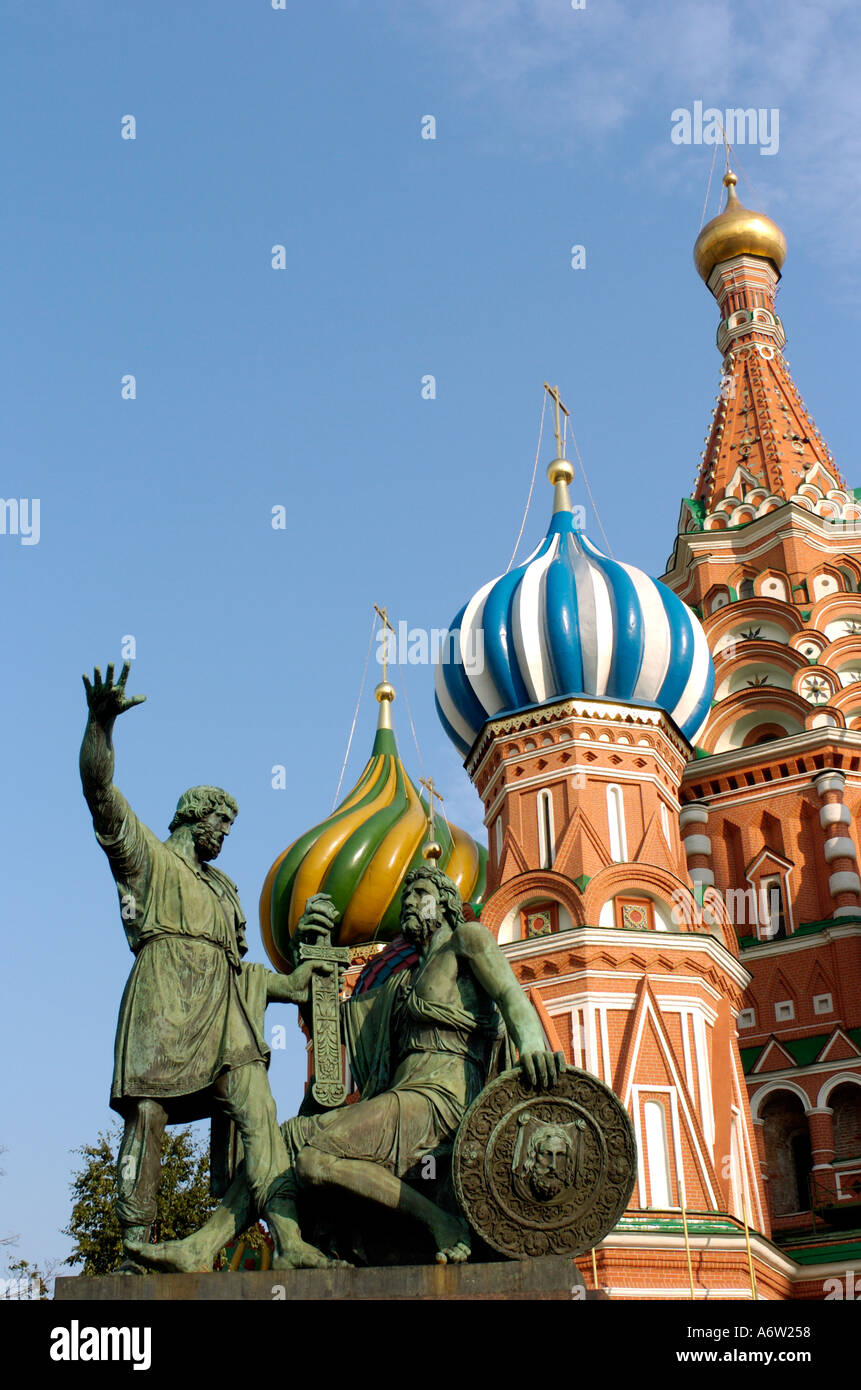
769,556
576,687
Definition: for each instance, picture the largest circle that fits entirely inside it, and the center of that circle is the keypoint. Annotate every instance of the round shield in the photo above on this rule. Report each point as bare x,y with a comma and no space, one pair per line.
544,1172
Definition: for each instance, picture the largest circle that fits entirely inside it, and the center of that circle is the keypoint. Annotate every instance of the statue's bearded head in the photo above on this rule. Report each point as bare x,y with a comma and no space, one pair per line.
429,900
209,812
548,1161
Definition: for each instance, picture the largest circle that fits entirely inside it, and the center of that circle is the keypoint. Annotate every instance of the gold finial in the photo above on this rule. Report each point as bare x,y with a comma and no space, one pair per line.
560,471
432,849
384,693
737,231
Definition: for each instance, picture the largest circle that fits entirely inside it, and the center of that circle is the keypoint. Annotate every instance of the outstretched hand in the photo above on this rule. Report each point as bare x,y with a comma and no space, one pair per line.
542,1069
105,698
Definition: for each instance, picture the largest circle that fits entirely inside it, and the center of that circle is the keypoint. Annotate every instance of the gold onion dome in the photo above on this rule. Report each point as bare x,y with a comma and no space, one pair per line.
360,854
737,232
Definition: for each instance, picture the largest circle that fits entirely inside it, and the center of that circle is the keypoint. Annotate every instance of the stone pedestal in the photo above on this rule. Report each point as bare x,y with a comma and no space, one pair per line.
551,1277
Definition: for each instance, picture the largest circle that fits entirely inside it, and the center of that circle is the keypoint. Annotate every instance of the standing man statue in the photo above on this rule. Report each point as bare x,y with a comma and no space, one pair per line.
420,1046
189,1038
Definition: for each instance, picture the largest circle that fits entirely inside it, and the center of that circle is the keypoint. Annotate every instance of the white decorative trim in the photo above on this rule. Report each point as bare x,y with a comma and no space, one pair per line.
616,821
704,1081
828,1086
844,882
624,716
764,1091
546,831
829,782
834,814
670,1242
613,938
804,943
705,876
840,847
697,844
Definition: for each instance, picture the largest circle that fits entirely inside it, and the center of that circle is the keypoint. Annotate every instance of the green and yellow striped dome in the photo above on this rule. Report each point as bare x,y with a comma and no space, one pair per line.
360,854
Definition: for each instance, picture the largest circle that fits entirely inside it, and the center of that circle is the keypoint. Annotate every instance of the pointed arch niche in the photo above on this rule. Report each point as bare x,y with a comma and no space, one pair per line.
616,823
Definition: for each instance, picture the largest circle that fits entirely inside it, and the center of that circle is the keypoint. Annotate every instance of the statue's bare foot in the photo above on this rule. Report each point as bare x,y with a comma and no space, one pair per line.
452,1239
170,1257
297,1254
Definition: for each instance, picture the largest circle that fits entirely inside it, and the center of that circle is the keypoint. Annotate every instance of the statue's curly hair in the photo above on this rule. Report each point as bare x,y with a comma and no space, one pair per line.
449,897
197,803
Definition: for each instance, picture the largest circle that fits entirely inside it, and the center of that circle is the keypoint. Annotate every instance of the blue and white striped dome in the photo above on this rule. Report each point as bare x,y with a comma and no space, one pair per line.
570,621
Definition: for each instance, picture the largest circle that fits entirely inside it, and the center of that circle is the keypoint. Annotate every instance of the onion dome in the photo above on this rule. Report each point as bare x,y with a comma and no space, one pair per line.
737,232
361,853
571,622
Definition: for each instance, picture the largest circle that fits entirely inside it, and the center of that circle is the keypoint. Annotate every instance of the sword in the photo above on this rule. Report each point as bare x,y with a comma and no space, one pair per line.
328,1090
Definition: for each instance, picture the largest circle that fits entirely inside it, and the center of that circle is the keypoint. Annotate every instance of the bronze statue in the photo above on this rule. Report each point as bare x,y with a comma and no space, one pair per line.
421,1047
189,1040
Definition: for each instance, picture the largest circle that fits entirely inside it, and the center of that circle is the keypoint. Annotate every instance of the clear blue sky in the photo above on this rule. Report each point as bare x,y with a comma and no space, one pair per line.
301,387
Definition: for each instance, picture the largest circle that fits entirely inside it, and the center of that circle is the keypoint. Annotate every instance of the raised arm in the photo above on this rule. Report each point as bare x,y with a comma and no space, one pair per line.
105,701
495,975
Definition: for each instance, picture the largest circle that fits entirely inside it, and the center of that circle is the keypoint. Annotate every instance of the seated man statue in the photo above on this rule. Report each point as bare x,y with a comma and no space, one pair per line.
420,1049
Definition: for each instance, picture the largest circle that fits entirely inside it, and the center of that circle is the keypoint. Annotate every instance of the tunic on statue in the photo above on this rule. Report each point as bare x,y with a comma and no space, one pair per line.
191,1009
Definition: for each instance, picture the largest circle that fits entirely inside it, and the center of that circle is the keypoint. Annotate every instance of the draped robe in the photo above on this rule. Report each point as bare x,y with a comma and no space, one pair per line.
418,1064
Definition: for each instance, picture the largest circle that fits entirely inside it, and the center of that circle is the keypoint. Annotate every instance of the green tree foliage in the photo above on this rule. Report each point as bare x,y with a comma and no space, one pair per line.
183,1199
32,1282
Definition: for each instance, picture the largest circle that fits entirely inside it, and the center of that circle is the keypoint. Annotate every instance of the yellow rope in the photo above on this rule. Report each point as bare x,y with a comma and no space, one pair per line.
709,185
356,711
531,485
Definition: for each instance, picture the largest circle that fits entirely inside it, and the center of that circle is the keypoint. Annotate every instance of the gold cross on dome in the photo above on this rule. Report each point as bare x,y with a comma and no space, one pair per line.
384,615
432,792
553,393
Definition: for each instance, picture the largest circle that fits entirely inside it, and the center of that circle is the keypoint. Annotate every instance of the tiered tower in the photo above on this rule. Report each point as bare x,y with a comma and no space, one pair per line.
577,722
769,556
671,775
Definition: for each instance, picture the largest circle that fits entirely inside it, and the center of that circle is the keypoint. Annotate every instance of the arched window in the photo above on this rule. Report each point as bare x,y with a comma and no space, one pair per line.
772,914
498,834
616,819
546,838
787,1153
845,1101
657,1153
745,589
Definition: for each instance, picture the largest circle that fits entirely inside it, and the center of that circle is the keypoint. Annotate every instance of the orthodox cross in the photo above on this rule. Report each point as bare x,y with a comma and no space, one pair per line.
384,615
432,792
553,393
328,1089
